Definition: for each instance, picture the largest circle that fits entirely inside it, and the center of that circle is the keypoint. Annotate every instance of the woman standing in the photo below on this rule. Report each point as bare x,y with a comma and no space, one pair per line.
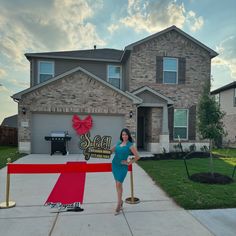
120,163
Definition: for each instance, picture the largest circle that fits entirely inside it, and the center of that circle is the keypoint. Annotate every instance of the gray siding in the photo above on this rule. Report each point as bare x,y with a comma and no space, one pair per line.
62,65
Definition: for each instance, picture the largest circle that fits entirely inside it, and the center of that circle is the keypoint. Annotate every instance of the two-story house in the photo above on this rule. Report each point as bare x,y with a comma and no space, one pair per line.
151,87
226,97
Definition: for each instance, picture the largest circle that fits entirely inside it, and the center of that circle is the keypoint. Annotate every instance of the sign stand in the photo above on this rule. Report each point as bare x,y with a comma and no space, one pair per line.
7,203
132,199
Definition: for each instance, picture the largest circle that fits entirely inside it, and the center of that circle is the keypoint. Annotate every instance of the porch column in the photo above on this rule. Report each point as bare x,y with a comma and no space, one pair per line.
165,129
164,137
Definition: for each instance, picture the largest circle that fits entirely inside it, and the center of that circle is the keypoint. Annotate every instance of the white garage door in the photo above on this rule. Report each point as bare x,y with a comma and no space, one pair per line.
43,124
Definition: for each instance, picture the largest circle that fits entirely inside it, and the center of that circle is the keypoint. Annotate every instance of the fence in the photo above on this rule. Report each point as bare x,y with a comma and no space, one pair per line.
8,136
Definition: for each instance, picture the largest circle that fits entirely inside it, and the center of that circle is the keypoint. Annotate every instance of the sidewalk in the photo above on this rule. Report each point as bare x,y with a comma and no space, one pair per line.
156,214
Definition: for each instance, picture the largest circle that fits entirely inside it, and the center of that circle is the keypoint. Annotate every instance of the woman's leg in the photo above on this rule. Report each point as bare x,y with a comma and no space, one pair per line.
119,189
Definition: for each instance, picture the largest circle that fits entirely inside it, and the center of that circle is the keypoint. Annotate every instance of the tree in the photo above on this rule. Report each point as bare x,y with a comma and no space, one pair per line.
210,116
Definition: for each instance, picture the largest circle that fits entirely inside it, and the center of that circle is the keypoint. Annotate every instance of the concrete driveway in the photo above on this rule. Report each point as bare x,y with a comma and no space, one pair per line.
156,214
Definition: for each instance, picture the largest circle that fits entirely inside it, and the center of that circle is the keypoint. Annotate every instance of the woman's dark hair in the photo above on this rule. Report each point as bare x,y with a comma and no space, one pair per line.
128,133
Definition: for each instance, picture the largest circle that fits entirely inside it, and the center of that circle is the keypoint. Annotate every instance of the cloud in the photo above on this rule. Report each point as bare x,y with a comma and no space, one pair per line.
72,16
227,55
113,27
3,89
2,73
46,26
19,84
195,23
8,106
153,16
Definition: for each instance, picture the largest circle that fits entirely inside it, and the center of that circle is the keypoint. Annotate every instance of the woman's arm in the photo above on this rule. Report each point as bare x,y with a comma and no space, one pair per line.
113,149
136,156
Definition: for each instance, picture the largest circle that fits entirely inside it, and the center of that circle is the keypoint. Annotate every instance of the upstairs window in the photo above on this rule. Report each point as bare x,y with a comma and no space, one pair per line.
170,70
45,70
114,75
181,124
235,97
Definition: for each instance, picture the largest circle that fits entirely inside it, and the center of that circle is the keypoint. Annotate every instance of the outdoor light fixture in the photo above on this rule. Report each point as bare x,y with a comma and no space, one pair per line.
23,110
130,114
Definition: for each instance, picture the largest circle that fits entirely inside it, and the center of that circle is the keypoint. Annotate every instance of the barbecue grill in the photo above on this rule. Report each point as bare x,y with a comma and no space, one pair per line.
59,141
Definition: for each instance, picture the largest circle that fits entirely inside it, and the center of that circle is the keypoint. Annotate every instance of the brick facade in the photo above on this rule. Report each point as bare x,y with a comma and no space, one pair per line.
142,70
76,93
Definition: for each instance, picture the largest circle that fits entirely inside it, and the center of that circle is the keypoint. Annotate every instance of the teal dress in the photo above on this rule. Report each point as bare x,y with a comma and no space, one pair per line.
120,170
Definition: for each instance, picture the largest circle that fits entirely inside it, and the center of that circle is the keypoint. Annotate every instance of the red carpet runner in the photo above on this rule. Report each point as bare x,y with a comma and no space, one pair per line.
69,187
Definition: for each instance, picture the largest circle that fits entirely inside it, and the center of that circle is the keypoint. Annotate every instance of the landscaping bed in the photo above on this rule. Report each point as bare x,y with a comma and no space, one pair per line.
171,176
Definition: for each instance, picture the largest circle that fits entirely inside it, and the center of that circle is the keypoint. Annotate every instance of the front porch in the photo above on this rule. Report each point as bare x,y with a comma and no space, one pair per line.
152,121
152,130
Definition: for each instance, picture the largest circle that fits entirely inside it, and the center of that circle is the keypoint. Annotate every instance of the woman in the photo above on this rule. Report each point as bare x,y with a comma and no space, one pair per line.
120,163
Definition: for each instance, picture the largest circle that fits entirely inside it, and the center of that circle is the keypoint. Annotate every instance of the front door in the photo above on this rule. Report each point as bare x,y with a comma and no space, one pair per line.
141,133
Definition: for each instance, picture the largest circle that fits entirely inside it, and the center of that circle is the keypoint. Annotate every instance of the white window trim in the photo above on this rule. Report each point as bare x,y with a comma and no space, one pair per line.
181,126
121,84
53,69
177,72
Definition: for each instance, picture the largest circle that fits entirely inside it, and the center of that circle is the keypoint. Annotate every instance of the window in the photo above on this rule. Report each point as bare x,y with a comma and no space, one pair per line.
181,124
235,97
45,70
170,70
114,75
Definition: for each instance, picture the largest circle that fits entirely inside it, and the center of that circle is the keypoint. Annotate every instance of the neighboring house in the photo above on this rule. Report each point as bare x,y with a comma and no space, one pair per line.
10,121
226,96
151,87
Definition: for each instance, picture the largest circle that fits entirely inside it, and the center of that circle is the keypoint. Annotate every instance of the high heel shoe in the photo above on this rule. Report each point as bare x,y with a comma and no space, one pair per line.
121,205
119,208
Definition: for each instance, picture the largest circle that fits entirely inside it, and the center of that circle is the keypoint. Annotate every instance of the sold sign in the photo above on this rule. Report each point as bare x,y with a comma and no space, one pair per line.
99,147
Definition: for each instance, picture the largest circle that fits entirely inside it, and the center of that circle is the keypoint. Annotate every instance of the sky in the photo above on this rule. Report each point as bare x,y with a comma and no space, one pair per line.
28,26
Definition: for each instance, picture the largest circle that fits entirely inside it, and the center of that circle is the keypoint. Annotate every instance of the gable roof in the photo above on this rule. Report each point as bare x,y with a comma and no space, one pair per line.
104,54
212,52
135,99
10,121
146,88
225,87
112,55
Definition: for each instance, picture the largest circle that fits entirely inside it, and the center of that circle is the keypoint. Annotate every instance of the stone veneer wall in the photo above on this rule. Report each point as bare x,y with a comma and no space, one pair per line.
153,121
142,69
156,124
75,93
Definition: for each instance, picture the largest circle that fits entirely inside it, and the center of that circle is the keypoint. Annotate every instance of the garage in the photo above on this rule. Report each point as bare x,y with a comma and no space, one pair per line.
43,124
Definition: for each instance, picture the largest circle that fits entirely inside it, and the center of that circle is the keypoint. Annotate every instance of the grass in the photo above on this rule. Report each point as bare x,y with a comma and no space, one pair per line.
171,176
9,152
229,152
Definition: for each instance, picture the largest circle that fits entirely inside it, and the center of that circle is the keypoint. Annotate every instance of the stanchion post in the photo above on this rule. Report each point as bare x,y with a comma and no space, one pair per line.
7,203
132,199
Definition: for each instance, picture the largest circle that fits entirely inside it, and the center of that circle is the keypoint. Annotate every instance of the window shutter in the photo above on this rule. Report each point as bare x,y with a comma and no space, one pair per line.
159,70
171,122
181,71
192,123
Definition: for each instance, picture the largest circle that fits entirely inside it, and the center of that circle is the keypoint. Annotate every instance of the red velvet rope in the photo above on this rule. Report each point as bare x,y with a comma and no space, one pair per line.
59,168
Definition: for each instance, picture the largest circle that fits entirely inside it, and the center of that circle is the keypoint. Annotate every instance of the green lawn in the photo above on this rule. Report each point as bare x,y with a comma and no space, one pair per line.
171,176
8,152
229,152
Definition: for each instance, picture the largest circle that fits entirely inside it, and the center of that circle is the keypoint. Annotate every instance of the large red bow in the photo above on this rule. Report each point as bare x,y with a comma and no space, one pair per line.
82,126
